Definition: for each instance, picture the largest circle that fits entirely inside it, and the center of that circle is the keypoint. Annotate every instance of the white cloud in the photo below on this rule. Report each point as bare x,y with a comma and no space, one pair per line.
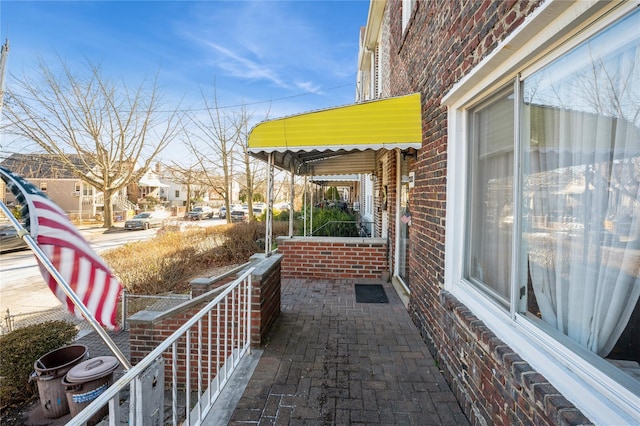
282,43
242,67
309,87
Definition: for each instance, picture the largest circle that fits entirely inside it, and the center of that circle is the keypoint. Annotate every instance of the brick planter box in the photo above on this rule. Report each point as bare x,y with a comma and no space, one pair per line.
336,258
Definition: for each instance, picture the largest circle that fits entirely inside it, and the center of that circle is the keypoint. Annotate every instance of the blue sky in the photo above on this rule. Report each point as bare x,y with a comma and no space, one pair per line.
284,56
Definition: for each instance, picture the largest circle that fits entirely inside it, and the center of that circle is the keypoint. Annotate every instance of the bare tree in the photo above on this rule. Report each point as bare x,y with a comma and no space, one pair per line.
212,142
192,177
111,128
254,174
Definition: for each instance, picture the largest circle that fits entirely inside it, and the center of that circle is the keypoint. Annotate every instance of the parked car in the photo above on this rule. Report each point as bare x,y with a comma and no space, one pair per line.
238,215
282,206
200,212
222,213
258,212
259,208
9,240
145,220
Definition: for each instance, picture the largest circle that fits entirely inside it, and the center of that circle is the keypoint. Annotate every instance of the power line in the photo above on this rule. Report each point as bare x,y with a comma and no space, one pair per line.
279,99
235,105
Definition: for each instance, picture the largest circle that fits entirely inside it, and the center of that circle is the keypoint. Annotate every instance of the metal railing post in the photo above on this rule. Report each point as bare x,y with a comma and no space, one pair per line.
124,309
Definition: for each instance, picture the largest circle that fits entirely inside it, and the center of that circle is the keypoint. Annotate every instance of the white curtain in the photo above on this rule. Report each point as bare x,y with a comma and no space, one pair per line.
582,189
585,229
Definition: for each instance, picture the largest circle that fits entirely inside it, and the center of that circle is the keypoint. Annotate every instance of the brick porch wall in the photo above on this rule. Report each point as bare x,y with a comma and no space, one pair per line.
148,329
339,258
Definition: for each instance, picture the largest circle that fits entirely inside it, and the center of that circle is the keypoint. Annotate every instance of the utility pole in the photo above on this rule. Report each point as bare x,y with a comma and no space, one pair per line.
4,52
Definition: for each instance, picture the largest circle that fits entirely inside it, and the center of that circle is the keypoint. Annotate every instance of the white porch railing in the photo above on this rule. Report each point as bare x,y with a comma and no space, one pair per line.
212,342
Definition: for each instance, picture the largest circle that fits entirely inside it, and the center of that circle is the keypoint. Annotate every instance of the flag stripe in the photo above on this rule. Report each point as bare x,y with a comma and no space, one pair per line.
86,273
49,216
66,266
96,291
84,268
111,300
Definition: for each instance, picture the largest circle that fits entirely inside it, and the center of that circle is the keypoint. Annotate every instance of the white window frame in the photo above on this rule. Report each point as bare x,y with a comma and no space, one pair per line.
407,11
554,28
378,77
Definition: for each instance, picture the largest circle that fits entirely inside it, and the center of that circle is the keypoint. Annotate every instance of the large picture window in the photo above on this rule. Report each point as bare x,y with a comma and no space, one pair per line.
553,198
581,194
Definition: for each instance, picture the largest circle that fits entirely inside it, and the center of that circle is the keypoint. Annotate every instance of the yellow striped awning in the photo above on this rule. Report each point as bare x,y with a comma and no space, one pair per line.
339,140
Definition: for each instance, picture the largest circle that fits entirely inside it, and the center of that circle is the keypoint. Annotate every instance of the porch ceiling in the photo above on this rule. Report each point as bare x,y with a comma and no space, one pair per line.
339,140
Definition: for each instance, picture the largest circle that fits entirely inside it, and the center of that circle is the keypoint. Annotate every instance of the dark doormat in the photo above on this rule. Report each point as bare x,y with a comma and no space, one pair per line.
370,293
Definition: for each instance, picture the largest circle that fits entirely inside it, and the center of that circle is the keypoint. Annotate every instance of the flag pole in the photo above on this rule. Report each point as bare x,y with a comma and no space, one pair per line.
22,233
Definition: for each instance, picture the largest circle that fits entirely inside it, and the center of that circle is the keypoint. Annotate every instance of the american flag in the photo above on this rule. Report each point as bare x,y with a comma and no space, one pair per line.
406,218
84,271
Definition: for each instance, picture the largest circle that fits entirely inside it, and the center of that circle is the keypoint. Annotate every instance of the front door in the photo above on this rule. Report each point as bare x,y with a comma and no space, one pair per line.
403,229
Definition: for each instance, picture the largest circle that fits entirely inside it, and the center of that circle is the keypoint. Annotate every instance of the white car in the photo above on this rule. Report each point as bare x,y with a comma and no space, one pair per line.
145,220
200,212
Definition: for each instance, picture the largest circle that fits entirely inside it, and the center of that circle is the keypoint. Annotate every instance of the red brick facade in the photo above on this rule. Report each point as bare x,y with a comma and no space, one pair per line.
443,42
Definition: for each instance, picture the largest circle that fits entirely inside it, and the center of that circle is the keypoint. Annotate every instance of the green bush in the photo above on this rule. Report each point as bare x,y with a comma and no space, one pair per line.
20,349
332,193
282,215
333,222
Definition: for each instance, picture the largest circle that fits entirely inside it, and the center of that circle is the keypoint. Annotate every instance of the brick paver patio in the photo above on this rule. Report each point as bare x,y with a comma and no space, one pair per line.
332,361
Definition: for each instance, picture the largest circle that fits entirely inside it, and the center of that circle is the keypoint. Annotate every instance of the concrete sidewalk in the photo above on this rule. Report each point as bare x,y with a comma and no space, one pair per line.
332,361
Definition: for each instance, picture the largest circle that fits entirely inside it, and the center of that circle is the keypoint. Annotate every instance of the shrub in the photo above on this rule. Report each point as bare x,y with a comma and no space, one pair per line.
282,228
281,216
20,349
167,262
164,263
240,243
333,222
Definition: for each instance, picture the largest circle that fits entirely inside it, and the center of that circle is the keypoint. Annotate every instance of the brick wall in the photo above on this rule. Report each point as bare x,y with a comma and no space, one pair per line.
340,258
148,329
267,296
443,42
492,382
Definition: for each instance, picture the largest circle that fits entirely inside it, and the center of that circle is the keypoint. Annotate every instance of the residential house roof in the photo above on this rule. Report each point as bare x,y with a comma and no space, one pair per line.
41,166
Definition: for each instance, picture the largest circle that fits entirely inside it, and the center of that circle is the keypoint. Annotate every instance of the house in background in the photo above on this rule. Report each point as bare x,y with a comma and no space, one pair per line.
176,193
76,198
173,188
149,192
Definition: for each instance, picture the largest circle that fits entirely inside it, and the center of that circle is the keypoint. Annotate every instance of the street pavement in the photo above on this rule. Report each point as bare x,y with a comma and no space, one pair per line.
24,296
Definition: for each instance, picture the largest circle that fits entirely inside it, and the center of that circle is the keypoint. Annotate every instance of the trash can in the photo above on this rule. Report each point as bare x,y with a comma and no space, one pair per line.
49,371
86,381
